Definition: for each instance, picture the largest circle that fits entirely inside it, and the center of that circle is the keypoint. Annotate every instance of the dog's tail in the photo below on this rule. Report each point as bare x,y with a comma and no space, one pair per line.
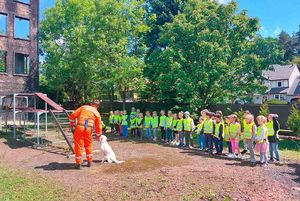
119,161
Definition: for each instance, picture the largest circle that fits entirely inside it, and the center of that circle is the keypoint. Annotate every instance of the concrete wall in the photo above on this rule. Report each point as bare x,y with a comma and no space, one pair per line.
9,81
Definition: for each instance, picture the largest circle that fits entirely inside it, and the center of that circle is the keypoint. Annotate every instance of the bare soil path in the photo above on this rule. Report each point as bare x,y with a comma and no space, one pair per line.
158,172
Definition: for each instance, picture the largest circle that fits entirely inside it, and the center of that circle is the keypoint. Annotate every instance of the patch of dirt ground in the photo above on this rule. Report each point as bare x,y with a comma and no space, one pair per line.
158,172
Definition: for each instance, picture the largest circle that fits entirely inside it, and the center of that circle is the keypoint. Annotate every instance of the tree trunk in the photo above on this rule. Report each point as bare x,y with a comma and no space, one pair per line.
124,99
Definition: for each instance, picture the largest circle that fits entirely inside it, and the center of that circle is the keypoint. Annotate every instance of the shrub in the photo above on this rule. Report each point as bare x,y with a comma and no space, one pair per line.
264,109
277,102
294,120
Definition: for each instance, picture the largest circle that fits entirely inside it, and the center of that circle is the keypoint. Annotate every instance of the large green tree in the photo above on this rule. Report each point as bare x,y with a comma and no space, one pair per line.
206,56
89,44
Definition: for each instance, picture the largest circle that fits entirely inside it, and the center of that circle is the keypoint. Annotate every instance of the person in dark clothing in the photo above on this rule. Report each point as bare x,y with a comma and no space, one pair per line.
218,134
273,138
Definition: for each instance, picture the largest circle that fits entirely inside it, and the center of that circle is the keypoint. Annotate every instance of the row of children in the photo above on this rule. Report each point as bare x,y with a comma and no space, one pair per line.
212,131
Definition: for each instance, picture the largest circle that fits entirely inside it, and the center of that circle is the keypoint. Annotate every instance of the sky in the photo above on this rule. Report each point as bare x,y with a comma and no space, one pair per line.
274,15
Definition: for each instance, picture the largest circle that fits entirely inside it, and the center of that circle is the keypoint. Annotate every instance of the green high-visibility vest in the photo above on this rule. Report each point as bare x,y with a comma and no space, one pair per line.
226,133
148,120
179,126
187,124
133,123
217,129
174,124
111,119
259,133
248,131
169,121
270,126
162,120
124,120
208,126
199,128
155,122
140,122
233,130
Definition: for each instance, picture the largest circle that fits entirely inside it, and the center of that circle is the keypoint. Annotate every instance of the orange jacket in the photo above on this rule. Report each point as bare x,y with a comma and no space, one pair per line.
87,112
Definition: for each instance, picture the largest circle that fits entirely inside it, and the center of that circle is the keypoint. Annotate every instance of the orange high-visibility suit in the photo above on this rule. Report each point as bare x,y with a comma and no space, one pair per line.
87,118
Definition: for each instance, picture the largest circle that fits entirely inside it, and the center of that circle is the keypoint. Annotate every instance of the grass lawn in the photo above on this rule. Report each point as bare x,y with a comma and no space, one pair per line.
16,185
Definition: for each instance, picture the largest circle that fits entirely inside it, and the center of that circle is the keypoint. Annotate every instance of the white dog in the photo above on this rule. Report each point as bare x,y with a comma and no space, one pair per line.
109,154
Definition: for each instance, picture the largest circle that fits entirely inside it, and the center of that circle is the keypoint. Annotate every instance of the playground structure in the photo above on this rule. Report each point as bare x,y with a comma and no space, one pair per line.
25,111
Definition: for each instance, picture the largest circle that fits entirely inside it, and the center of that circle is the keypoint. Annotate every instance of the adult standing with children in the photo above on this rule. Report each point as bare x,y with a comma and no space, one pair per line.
88,118
273,138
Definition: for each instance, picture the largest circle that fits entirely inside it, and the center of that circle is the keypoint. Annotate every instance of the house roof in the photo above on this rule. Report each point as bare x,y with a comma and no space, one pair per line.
295,88
278,90
279,72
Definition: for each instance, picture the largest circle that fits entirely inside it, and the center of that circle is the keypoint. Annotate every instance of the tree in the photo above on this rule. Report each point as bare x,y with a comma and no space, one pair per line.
294,120
84,41
205,57
264,109
286,42
296,60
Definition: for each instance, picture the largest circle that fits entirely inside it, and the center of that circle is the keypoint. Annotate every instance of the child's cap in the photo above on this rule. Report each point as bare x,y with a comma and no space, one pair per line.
187,113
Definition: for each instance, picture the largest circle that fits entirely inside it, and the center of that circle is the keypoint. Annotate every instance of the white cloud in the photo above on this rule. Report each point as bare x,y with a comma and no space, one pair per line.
277,31
223,1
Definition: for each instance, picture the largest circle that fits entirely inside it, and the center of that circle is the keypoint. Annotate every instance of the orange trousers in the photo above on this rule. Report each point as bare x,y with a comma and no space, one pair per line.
83,138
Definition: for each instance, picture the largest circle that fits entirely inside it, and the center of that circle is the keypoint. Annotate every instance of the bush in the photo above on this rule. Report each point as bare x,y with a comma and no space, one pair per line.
294,120
277,102
264,109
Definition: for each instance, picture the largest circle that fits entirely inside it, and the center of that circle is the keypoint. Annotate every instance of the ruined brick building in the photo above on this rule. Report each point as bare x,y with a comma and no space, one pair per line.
19,57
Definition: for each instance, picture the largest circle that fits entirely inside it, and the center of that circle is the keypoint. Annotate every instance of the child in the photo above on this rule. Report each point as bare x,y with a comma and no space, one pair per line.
148,124
218,134
133,112
154,125
120,122
188,127
116,121
208,128
273,138
246,113
234,133
140,129
261,140
111,120
133,125
174,129
179,128
248,135
168,128
162,125
226,135
201,138
125,124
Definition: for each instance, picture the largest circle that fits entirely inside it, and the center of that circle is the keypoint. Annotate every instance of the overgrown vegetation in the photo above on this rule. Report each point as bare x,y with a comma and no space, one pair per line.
294,120
264,109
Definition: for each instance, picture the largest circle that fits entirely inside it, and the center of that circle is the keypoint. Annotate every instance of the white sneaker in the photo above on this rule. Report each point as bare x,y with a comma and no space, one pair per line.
239,156
230,155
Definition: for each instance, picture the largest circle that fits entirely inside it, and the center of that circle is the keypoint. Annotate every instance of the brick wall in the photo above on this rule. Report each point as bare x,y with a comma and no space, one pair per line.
9,81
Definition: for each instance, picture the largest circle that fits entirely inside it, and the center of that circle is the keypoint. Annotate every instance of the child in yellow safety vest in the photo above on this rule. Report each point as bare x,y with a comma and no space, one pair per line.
208,130
273,138
133,125
201,139
169,122
154,125
188,127
111,120
234,133
116,121
218,134
124,124
246,113
140,126
261,140
148,125
174,129
226,135
162,125
248,135
179,128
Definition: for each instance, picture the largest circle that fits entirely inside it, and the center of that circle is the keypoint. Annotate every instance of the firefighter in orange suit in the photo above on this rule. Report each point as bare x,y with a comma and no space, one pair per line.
88,118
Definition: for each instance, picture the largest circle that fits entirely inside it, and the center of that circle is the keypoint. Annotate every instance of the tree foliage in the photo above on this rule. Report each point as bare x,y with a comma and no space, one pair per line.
206,56
264,109
294,120
89,44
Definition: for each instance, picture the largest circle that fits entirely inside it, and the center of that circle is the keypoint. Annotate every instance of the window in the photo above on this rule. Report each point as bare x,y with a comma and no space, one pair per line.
279,84
21,64
277,96
3,24
3,61
22,28
23,1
